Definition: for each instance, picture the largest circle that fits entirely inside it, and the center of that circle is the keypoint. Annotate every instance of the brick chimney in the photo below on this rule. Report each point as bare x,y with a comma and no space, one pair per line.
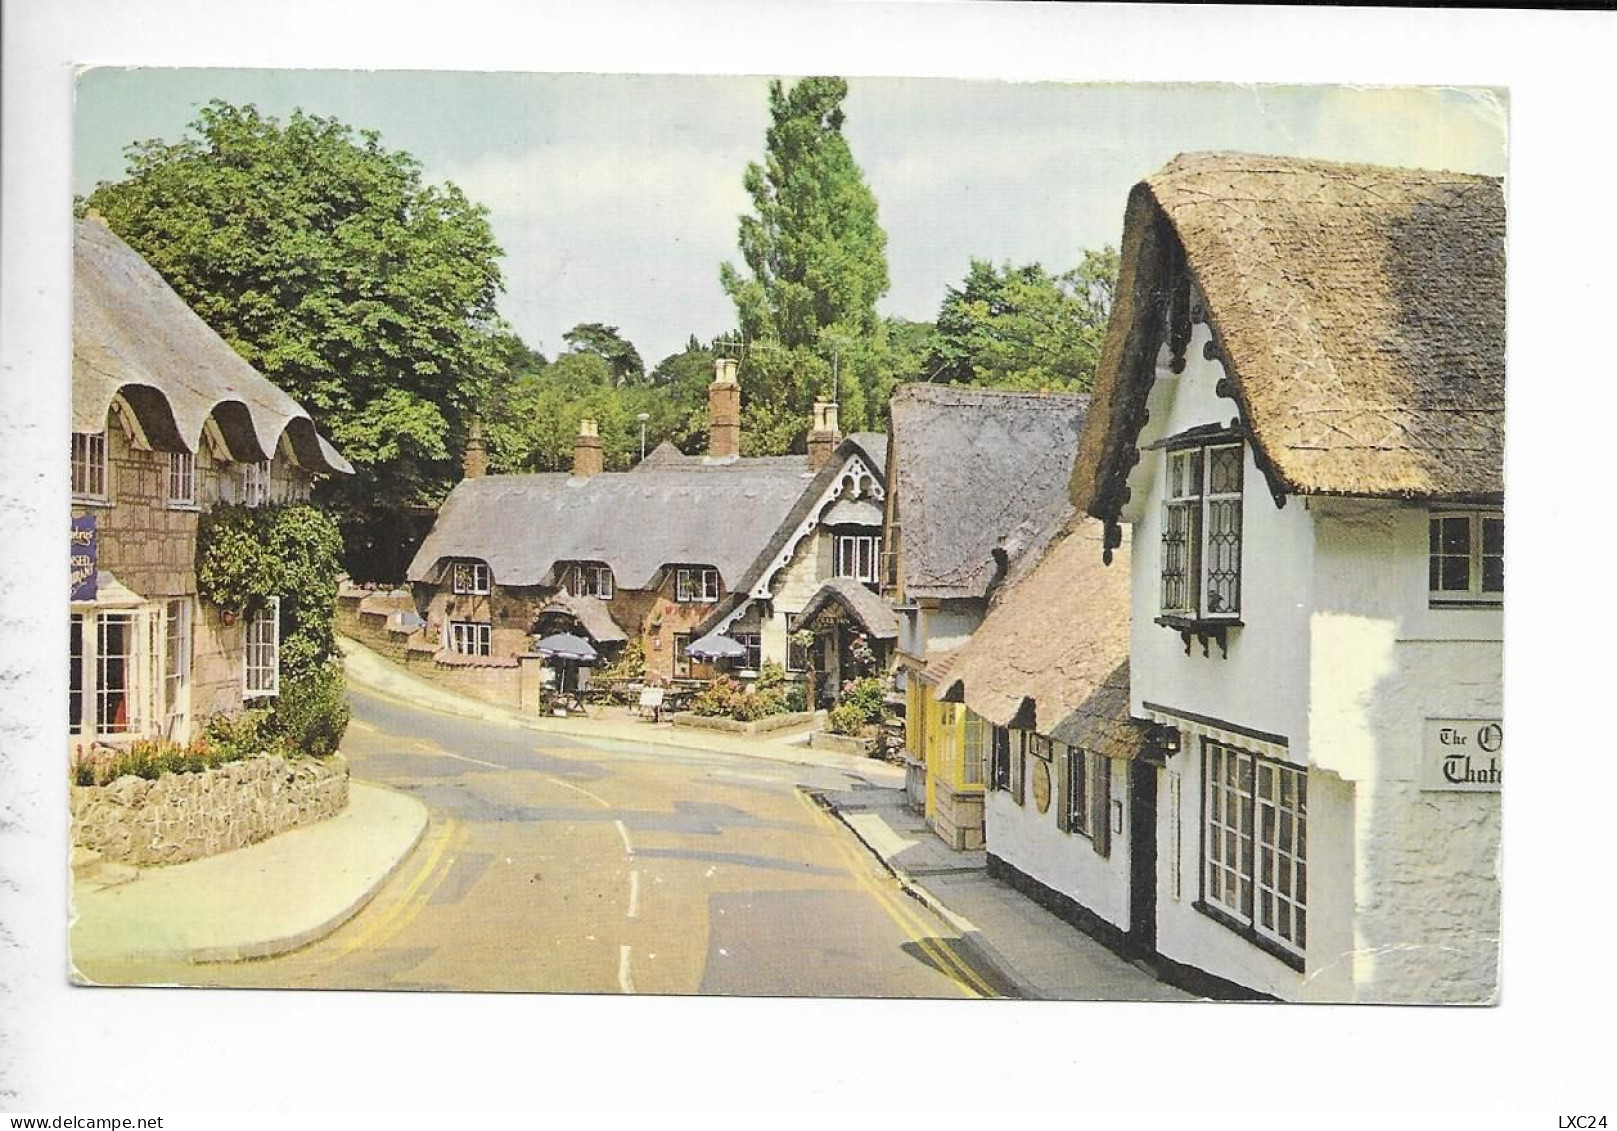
474,464
587,457
724,411
823,436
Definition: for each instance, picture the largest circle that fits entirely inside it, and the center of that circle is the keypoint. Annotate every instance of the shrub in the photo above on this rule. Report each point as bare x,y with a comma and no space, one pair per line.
311,713
846,718
720,698
796,697
148,758
725,698
239,734
771,675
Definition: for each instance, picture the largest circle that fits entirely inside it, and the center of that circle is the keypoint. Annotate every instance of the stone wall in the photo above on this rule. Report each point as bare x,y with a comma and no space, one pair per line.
182,817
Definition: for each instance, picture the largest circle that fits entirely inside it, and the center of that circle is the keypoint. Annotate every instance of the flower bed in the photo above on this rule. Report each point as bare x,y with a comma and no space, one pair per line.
755,726
188,814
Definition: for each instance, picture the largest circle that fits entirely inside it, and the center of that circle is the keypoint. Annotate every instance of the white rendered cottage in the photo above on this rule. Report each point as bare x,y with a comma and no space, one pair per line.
1299,412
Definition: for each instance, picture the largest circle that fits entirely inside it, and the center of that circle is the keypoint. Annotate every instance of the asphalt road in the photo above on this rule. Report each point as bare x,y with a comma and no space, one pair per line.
570,865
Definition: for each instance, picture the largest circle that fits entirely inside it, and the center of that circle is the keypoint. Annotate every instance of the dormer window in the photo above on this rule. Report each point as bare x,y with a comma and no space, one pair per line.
90,467
1466,558
469,578
1201,533
696,585
856,556
589,579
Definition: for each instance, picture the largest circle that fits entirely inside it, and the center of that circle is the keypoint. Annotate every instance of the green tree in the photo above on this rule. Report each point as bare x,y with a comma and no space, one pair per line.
1024,328
619,354
816,256
325,261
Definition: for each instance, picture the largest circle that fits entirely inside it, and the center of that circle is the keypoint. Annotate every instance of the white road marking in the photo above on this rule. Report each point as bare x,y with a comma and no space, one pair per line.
628,846
431,748
595,797
634,894
625,979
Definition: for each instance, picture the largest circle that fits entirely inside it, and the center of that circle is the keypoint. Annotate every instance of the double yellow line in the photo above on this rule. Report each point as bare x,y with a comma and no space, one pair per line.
942,955
415,896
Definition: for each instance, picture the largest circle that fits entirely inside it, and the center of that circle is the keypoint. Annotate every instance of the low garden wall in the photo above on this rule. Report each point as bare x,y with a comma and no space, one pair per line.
186,816
759,726
842,743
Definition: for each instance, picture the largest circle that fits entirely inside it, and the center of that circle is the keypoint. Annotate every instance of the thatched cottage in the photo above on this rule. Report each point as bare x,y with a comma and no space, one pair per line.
679,546
1069,809
1299,413
167,421
978,490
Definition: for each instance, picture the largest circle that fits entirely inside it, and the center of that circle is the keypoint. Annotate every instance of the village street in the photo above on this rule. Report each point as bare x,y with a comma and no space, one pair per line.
565,864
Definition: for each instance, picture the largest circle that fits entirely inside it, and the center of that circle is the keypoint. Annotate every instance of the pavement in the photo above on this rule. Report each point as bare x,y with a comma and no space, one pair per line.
1041,955
255,902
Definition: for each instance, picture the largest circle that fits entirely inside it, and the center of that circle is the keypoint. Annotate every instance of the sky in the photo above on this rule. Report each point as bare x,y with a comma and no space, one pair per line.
616,197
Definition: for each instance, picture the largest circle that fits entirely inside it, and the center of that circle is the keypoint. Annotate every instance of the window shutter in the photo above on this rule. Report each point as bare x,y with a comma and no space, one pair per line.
1100,816
1063,769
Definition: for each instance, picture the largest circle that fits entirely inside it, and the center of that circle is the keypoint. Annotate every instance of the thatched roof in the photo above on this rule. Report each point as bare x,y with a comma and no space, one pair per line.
1359,310
1053,653
134,337
666,457
592,615
865,608
978,470
636,522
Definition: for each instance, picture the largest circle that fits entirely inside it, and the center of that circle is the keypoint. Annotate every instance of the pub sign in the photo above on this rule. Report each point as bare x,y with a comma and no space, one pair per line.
81,556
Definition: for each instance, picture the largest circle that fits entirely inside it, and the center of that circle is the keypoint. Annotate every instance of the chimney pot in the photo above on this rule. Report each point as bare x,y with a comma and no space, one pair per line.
823,435
724,411
474,464
588,459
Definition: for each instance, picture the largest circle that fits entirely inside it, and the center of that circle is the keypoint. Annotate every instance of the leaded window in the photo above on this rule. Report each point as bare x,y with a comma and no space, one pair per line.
117,681
999,765
1201,532
1466,557
976,745
1254,845
255,483
176,661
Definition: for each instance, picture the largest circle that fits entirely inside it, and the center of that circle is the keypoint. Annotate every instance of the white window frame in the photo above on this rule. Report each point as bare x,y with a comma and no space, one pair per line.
90,469
974,750
255,483
753,642
177,650
469,579
1475,557
182,481
261,652
696,585
1254,870
857,556
471,637
1196,521
588,579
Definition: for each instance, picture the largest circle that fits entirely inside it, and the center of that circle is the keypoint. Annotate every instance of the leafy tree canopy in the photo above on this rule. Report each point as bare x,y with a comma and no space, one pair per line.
324,260
605,341
1024,328
816,259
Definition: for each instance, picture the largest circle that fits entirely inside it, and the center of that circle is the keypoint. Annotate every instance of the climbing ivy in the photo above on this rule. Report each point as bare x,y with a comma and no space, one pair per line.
291,550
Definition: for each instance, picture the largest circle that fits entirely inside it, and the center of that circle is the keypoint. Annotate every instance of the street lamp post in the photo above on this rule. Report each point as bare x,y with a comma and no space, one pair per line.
642,418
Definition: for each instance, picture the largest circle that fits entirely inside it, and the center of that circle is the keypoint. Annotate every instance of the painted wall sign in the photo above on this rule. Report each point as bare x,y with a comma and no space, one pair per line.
1463,754
81,556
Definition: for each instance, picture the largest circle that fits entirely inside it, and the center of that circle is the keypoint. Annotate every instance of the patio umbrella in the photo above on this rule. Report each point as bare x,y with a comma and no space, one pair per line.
566,646
715,647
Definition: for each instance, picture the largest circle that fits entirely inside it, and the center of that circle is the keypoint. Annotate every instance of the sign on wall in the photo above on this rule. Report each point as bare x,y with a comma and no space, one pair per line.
81,556
1462,754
